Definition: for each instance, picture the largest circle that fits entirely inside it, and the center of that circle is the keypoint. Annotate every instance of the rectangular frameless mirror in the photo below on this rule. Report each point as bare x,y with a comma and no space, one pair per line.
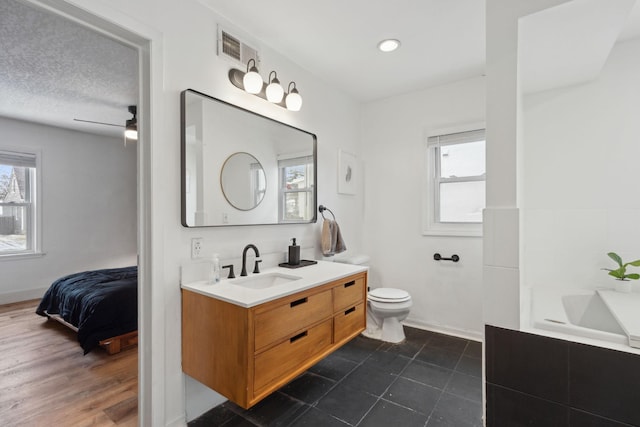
241,168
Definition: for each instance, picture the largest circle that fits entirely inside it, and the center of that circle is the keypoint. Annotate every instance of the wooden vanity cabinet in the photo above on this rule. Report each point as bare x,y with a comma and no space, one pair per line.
246,354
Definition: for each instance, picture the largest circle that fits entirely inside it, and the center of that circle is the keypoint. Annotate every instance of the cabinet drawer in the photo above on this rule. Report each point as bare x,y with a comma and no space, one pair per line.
349,321
289,355
282,320
349,293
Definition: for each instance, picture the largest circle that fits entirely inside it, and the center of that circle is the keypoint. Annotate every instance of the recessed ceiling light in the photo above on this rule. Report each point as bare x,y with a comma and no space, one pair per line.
389,45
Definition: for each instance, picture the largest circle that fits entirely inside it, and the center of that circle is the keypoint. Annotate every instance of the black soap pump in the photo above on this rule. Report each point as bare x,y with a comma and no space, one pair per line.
294,253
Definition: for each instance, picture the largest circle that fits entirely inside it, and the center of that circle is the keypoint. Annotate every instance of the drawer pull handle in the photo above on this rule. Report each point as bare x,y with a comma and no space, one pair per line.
351,283
351,310
298,302
297,337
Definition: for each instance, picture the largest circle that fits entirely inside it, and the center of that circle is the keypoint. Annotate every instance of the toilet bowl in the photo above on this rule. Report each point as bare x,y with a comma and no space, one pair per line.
386,308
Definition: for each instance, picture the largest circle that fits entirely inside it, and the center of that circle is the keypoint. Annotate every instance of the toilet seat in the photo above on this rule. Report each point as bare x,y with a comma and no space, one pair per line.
388,295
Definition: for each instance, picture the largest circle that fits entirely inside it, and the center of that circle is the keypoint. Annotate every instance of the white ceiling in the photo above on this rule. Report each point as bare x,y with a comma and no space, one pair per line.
442,40
54,70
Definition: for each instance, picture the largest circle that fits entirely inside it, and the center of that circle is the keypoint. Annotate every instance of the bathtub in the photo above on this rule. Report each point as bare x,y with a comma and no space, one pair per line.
577,315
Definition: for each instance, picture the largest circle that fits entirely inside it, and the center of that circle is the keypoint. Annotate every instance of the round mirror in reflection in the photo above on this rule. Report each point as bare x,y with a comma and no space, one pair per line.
243,181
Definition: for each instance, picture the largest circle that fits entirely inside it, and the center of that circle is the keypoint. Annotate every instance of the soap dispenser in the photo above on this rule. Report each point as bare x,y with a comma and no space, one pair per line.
294,253
214,272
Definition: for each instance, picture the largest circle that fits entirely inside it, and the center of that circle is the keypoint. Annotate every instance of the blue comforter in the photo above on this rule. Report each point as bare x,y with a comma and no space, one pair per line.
100,303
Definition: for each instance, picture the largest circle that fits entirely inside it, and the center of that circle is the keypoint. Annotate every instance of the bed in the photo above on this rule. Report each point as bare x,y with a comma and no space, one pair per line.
100,305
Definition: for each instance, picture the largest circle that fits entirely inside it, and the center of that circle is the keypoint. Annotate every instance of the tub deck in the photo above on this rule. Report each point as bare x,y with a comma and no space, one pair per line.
581,315
624,307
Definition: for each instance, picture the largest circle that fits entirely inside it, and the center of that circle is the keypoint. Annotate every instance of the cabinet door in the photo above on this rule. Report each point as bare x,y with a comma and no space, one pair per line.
349,322
350,292
294,314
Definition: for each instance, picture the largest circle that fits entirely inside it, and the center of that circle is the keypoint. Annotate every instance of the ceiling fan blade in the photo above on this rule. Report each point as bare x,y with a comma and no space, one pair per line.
98,123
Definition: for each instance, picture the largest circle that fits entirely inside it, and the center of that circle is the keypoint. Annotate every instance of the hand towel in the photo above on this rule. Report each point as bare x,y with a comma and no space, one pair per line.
331,241
325,238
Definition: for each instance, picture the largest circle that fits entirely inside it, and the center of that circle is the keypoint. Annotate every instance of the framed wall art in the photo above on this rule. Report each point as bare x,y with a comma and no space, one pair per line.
347,172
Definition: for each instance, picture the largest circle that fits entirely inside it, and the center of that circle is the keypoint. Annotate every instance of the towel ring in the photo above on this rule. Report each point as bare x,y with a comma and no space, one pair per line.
321,209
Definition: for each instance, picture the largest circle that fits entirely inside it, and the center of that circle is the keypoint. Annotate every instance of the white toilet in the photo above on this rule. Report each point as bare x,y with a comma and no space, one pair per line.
386,308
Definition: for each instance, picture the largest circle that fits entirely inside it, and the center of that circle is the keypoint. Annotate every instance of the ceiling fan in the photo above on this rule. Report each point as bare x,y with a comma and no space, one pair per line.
131,125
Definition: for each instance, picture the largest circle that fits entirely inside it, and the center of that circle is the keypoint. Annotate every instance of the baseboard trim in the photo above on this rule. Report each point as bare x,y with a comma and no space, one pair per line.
177,422
18,296
460,333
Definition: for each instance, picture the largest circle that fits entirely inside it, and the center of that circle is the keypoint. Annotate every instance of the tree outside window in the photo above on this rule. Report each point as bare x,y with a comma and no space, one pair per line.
17,200
296,188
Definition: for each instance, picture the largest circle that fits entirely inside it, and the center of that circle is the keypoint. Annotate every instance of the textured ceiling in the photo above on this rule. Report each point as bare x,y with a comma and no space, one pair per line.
54,70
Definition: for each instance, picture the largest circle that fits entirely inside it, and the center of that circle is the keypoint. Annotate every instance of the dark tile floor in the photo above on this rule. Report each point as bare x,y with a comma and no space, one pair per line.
429,380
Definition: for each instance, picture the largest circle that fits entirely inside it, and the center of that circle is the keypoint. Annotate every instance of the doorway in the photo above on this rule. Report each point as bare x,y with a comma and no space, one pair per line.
141,42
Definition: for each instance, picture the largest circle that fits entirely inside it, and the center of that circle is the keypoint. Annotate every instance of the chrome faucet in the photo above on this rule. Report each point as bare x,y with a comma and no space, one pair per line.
244,258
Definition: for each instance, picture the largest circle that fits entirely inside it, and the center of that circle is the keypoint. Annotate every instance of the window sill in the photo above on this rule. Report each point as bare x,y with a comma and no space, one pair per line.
21,256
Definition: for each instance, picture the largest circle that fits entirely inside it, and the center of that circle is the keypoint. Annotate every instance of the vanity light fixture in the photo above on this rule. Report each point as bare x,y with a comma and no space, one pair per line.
272,90
389,45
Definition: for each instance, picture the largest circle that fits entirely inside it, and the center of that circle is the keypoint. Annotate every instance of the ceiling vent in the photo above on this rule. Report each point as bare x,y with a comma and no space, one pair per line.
234,49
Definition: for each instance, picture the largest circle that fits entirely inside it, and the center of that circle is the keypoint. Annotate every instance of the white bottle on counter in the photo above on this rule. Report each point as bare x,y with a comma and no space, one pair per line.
214,274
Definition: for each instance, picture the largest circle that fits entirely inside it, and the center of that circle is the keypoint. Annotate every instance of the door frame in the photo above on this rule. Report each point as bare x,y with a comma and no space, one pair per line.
148,43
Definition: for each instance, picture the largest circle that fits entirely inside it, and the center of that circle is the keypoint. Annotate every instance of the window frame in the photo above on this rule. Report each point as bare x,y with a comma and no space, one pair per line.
282,191
431,224
34,211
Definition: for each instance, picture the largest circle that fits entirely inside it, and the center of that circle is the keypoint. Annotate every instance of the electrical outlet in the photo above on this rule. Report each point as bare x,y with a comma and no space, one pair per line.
196,247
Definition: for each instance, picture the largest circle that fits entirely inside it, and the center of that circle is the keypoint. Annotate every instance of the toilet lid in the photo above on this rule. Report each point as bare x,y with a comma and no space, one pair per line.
388,295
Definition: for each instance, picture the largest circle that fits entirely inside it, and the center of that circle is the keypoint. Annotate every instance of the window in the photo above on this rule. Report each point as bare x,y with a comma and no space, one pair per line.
455,195
296,199
17,203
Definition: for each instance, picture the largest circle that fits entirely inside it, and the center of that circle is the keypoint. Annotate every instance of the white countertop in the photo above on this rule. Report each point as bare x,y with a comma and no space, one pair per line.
310,277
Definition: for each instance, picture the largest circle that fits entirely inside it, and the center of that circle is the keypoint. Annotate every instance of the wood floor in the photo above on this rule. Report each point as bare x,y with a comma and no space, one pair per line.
45,380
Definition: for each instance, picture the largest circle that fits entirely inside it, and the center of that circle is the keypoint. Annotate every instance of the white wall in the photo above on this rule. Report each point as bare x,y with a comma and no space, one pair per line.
88,187
446,296
581,175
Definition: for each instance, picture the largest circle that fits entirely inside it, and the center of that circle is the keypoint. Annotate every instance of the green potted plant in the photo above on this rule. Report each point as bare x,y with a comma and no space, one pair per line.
621,274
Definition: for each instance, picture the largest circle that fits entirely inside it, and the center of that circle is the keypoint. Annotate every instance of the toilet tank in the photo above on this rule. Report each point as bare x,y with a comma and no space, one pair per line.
359,259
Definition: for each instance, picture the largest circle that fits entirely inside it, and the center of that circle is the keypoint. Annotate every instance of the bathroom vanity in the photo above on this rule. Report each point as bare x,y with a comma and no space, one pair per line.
247,337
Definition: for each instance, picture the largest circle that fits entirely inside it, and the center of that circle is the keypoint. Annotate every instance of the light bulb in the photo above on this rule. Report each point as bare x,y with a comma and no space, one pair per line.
252,81
293,100
275,92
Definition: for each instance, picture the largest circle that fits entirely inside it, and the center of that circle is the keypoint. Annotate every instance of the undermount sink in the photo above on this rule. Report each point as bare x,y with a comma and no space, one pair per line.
262,281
